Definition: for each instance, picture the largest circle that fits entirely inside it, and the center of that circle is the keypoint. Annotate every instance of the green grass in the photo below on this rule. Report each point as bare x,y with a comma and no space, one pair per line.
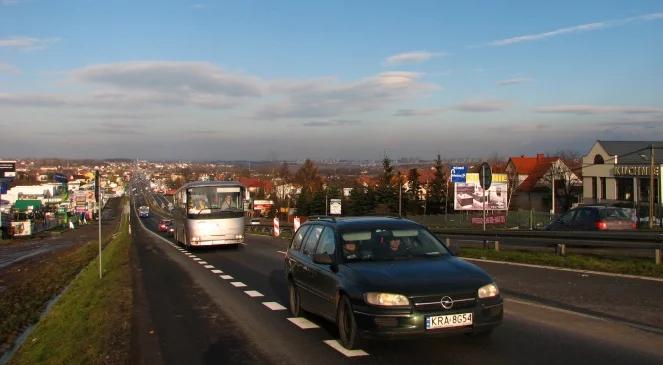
91,322
620,265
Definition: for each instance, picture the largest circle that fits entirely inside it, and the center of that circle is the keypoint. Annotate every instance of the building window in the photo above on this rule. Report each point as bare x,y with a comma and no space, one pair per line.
598,160
594,188
603,193
624,188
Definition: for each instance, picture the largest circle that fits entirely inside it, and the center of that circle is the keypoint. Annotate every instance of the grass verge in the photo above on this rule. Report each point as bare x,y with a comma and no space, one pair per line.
619,265
91,322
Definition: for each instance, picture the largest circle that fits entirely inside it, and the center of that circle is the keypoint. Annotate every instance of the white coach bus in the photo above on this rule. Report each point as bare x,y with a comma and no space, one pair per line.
208,213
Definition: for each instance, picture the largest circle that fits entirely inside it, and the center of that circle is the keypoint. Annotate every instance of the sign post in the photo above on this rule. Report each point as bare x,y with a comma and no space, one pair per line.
485,179
98,199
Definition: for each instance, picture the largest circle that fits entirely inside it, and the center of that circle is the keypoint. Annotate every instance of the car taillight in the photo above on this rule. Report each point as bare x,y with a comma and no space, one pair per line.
634,226
601,225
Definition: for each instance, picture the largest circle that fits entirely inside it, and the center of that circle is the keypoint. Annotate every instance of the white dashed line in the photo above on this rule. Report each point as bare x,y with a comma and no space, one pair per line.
349,353
237,284
202,262
281,252
274,306
303,323
195,258
209,266
217,272
253,293
226,277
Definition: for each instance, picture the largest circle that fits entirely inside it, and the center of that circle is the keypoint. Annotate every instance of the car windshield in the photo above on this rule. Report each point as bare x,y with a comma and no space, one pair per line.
210,199
382,244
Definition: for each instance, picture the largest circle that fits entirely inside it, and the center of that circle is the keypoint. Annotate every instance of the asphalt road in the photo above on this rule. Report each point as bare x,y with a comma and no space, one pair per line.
189,313
21,249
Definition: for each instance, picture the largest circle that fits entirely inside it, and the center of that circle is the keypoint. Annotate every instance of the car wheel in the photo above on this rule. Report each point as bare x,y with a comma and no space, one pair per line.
295,299
347,325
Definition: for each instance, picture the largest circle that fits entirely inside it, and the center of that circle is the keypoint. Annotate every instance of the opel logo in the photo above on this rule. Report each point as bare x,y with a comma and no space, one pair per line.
447,302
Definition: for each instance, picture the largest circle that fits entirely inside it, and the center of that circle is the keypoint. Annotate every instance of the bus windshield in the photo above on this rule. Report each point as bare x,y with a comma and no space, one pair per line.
205,200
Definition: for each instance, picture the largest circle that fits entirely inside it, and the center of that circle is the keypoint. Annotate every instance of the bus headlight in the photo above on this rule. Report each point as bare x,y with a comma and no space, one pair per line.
239,236
195,239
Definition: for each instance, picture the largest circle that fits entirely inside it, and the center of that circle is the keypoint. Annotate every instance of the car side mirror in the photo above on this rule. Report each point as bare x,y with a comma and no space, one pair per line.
323,259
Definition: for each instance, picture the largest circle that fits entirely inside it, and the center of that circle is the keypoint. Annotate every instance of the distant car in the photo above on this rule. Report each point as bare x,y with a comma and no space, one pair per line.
387,277
593,218
165,224
144,211
255,221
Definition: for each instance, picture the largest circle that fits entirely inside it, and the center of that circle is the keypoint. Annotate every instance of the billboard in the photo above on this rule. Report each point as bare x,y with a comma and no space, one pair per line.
469,195
335,206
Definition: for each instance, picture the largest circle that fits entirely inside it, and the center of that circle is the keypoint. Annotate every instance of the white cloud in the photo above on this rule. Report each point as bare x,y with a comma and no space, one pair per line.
576,29
26,43
482,106
513,81
412,57
597,109
327,97
419,112
9,69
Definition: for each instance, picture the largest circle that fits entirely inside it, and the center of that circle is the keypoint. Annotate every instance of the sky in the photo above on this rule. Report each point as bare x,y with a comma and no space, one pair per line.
284,80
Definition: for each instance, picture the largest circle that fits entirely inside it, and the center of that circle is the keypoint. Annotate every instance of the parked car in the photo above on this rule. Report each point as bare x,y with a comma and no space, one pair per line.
165,224
593,218
381,277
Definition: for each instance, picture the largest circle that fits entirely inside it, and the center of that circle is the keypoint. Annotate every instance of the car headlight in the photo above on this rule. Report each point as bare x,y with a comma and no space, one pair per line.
386,299
488,291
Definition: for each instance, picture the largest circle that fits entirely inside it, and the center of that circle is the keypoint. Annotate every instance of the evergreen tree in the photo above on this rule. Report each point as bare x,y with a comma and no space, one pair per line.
386,195
437,190
414,188
303,202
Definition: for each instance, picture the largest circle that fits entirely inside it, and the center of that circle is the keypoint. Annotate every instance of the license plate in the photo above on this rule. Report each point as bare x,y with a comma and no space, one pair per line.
448,321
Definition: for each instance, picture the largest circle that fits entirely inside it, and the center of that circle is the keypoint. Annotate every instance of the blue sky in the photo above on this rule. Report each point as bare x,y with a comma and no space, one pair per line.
342,79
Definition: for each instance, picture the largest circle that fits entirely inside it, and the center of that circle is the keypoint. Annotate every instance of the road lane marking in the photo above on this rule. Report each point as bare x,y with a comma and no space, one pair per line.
253,293
237,284
602,273
209,266
195,258
281,252
303,323
349,353
226,277
202,262
217,271
274,306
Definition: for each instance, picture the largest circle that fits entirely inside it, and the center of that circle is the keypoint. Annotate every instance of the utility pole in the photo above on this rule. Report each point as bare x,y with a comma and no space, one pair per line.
400,195
651,186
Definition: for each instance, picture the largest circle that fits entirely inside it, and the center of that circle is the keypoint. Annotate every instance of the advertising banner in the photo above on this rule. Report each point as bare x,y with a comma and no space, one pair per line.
469,195
490,219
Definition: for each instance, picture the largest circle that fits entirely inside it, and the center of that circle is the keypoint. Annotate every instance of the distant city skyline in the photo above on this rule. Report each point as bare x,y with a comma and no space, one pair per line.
258,80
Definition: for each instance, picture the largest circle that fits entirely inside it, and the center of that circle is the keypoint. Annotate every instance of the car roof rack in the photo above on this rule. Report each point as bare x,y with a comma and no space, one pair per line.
322,218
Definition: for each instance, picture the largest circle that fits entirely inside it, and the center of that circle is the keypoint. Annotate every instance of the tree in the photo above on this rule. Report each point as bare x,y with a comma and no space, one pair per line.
437,190
284,171
386,195
414,189
567,184
303,201
307,176
361,201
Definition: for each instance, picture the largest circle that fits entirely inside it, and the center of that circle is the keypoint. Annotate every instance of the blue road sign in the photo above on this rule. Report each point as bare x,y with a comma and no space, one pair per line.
4,187
458,174
60,178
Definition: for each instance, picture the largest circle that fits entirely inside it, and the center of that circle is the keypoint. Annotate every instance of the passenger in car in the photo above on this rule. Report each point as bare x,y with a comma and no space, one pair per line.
350,250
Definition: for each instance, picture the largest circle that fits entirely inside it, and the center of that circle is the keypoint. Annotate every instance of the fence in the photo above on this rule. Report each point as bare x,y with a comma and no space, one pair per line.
514,219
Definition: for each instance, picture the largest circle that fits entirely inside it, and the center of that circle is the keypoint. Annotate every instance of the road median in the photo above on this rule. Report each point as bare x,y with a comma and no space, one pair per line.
90,323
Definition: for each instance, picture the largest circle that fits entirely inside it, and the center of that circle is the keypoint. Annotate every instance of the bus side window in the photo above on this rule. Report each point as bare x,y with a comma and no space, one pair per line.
299,237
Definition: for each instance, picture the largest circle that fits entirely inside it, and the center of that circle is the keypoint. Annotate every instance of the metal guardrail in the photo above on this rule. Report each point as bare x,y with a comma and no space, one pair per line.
558,239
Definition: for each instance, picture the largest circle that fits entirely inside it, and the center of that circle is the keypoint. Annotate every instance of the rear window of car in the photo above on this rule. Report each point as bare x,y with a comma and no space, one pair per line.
613,213
299,236
312,240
